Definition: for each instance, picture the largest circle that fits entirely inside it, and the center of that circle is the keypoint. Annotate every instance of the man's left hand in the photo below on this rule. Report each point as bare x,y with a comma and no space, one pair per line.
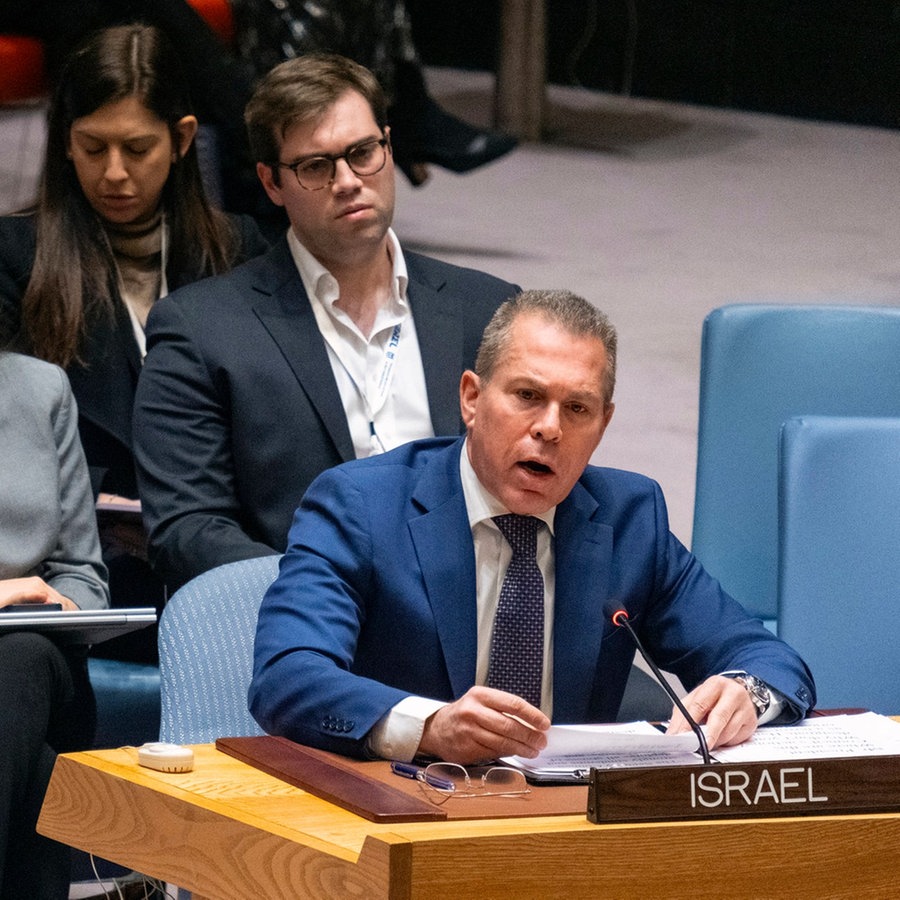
724,706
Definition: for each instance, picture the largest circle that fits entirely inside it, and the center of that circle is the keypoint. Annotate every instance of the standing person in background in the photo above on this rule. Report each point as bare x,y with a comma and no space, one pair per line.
49,553
121,220
378,35
335,344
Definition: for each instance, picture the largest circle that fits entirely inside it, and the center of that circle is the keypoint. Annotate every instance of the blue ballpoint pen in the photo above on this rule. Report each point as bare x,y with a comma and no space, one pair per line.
408,770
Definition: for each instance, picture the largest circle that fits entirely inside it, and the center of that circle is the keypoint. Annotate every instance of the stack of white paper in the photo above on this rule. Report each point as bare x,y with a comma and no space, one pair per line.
572,750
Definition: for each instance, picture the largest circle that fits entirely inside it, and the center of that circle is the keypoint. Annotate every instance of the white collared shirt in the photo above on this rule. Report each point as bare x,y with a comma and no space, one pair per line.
380,378
492,557
397,734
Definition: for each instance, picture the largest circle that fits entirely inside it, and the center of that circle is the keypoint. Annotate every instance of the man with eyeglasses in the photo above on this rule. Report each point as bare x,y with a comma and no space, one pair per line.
449,598
336,344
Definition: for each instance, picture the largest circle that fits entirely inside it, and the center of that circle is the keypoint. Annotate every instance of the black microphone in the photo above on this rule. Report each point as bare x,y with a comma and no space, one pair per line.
619,617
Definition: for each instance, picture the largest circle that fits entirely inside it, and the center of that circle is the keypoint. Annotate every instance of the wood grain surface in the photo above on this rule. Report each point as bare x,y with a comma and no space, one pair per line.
227,831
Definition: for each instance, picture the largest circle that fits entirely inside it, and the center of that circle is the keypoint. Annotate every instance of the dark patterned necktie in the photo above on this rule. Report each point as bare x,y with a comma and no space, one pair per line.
517,644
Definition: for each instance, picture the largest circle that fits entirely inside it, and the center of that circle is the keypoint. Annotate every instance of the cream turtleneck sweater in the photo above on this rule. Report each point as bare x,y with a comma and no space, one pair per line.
138,254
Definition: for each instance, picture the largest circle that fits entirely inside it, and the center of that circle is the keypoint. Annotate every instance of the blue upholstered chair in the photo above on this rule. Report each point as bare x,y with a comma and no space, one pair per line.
127,695
760,365
839,556
206,635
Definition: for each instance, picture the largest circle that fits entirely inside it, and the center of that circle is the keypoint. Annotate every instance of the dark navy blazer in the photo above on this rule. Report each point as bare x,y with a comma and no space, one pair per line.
237,408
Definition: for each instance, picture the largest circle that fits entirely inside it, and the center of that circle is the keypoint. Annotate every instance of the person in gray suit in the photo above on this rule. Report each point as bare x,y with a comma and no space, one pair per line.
336,344
49,554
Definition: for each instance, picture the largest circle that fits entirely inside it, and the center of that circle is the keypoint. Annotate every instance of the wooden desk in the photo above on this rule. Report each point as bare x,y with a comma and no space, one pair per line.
229,832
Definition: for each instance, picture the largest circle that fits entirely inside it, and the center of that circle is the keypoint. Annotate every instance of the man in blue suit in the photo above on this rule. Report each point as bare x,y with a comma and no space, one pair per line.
376,638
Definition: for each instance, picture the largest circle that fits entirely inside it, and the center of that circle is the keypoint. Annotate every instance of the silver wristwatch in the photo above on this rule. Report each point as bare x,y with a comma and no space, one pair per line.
759,692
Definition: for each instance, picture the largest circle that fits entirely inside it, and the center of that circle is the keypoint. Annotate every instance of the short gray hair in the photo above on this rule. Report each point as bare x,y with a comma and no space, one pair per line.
563,308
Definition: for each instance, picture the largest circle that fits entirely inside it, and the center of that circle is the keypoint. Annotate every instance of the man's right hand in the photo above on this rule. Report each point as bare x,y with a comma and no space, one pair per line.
482,725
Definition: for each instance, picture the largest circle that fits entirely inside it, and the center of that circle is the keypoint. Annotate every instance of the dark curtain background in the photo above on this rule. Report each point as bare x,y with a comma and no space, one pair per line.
825,59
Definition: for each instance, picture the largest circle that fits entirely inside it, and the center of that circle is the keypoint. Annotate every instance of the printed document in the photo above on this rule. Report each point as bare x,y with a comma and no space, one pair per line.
573,750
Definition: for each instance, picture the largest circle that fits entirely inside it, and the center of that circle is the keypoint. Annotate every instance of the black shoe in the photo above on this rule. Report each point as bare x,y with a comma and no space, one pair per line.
484,147
440,138
416,172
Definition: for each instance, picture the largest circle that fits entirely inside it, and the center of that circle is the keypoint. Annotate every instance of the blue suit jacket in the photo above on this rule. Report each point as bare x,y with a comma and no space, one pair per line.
375,600
237,409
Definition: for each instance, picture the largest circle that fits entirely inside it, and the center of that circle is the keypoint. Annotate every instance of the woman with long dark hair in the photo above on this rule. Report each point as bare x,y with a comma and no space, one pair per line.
121,220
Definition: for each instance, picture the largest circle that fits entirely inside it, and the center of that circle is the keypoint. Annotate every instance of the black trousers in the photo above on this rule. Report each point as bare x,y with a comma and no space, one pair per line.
46,707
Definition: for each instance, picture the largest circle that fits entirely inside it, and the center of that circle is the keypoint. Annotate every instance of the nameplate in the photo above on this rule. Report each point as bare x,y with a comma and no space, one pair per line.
814,787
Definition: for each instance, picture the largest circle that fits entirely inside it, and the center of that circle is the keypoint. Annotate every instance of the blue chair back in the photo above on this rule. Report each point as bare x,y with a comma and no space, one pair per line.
839,556
127,695
206,635
761,365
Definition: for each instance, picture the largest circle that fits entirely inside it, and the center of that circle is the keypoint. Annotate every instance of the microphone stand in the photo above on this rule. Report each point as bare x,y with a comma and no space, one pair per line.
620,619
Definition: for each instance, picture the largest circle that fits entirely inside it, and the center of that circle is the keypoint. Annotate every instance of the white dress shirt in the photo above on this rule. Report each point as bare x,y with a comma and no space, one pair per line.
380,378
397,734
